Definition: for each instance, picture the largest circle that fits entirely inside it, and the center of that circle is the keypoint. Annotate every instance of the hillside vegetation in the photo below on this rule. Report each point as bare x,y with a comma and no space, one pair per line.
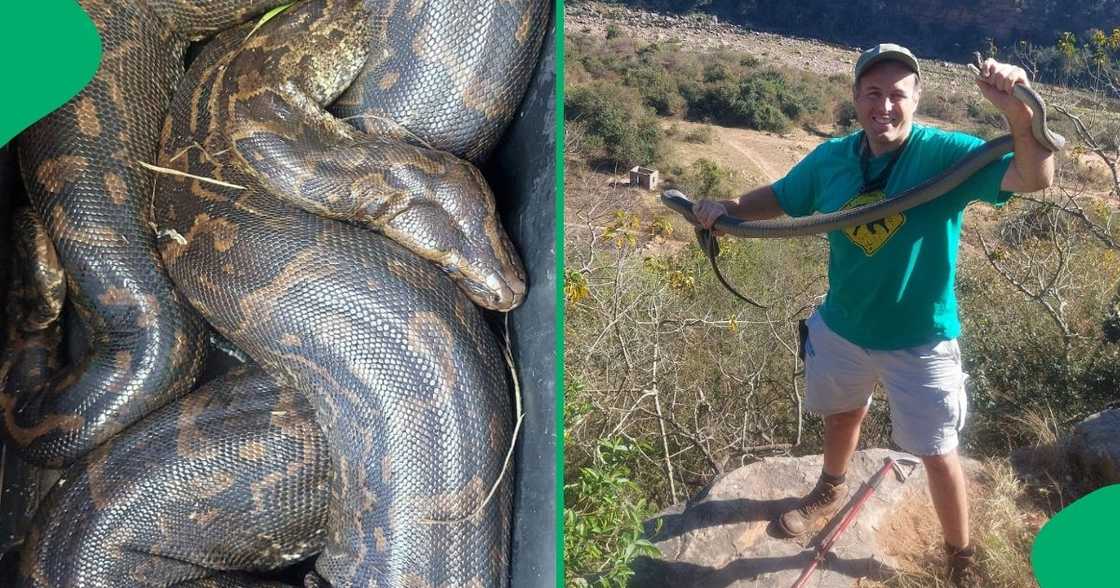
1067,38
671,381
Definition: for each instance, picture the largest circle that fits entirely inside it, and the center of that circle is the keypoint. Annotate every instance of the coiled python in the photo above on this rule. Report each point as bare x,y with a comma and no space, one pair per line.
405,377
436,391
79,166
37,288
229,479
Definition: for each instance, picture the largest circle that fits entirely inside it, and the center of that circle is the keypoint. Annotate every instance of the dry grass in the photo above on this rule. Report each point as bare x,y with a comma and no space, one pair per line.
1005,520
1090,172
1007,511
683,152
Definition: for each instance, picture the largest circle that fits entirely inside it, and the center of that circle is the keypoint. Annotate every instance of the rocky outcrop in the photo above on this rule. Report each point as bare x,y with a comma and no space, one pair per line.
943,28
669,23
725,536
1095,447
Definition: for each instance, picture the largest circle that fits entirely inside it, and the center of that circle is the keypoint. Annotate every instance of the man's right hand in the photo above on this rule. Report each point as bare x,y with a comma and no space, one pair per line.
708,211
759,204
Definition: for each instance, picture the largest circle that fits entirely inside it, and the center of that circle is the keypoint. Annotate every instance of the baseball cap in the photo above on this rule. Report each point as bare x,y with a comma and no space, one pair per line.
884,52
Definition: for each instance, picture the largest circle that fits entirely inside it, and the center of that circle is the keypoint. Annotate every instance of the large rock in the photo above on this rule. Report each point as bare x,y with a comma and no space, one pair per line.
725,537
1095,447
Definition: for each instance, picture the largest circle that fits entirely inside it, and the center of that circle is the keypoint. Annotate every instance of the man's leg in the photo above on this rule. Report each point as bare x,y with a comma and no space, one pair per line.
926,388
838,377
947,488
841,435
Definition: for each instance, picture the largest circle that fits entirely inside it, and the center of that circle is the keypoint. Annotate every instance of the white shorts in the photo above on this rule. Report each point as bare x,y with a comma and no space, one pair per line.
925,386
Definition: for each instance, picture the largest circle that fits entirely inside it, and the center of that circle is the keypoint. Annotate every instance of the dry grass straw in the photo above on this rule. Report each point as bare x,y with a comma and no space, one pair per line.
175,172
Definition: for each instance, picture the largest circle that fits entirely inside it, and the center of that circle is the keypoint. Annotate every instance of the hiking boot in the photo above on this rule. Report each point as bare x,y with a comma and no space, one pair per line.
962,566
820,504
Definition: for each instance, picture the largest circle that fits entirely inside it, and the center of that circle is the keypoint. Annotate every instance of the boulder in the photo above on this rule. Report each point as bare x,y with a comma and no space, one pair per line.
725,536
1095,447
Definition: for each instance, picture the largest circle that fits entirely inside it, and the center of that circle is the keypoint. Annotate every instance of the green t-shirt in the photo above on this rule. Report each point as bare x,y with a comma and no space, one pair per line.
891,281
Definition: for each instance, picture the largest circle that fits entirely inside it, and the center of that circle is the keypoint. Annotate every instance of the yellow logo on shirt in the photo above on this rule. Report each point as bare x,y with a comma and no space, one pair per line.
871,236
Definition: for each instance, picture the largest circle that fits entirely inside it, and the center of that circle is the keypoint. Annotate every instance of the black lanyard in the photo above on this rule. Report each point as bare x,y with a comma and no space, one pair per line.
880,181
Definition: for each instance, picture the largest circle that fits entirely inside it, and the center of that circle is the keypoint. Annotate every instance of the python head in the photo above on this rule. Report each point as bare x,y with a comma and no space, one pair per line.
450,219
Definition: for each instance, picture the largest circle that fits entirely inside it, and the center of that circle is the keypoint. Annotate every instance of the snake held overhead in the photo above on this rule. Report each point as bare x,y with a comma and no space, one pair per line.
915,196
920,194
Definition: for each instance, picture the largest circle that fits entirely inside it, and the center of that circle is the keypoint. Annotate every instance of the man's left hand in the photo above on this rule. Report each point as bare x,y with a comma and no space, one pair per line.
996,81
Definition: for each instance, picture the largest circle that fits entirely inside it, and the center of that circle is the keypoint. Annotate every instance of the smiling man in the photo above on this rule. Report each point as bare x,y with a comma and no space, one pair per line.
890,315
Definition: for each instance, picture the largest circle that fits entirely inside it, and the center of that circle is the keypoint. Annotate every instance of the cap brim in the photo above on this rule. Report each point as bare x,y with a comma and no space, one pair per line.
898,56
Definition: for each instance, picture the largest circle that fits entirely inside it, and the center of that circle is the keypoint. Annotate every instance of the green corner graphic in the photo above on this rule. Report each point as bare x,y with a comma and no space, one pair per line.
49,51
1078,546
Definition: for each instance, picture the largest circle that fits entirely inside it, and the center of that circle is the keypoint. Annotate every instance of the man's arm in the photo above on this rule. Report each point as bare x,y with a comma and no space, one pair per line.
1032,168
758,204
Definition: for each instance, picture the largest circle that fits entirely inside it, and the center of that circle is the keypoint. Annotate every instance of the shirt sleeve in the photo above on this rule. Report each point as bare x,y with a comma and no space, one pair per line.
797,191
984,184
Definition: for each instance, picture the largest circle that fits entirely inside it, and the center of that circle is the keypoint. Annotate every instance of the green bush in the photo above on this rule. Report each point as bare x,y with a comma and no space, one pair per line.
603,514
749,61
705,179
716,72
601,66
657,88
767,101
701,134
765,116
724,86
630,135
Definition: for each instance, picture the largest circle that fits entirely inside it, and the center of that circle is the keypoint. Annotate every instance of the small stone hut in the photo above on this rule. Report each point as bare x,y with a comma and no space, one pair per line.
643,177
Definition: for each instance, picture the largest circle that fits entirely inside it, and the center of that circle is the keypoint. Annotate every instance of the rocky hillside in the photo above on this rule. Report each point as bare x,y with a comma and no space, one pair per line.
802,51
945,28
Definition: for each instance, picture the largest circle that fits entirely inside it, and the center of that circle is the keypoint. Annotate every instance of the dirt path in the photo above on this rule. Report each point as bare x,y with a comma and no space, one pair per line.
771,174
755,157
773,154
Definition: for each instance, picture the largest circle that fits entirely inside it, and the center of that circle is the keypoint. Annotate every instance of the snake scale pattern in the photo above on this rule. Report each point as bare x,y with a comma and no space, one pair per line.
170,506
81,177
401,372
37,288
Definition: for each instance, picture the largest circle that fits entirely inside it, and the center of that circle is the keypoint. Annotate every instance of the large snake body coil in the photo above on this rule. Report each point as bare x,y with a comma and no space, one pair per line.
80,167
230,478
405,377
